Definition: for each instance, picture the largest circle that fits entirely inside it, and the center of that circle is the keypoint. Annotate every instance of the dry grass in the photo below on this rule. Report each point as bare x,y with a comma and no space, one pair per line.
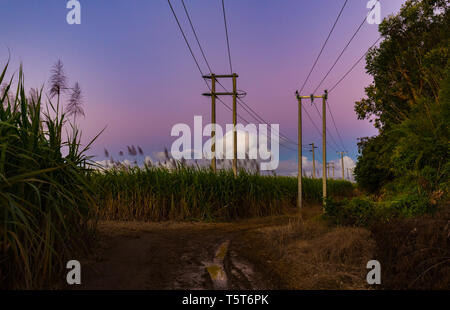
309,254
415,253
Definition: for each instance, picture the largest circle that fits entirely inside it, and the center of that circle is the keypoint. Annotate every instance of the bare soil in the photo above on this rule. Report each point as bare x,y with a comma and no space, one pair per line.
294,251
165,256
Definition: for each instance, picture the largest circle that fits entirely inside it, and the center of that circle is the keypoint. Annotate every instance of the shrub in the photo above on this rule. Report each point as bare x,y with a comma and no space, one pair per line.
358,211
362,211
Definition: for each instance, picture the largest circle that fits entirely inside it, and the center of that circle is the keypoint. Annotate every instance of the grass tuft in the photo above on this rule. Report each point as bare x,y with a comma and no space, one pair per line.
45,198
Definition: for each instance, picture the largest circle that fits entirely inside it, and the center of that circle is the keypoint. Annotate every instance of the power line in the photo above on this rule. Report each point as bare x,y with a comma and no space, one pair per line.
192,53
256,116
316,61
341,79
226,33
247,108
193,56
332,67
185,39
315,126
328,131
323,46
345,48
247,122
260,119
200,47
311,120
353,67
198,66
196,37
335,127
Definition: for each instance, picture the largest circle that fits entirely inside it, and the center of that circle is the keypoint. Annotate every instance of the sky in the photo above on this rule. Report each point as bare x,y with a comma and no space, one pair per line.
138,78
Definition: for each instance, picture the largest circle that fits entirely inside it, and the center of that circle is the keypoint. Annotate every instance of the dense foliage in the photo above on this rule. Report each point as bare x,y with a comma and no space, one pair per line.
45,200
408,102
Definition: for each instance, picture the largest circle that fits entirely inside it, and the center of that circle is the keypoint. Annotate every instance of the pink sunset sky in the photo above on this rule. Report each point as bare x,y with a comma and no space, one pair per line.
138,78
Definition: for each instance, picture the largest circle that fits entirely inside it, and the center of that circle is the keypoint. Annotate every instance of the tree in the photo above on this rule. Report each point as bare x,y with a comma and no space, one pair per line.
408,100
409,64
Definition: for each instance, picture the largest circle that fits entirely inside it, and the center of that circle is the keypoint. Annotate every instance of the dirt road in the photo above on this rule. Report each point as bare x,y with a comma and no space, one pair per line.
152,256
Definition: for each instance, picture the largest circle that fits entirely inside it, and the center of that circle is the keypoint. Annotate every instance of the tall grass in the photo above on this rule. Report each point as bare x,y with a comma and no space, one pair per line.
156,193
45,199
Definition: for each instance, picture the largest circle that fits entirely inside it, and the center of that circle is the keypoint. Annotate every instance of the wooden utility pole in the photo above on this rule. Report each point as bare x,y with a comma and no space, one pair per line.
214,94
324,144
299,176
213,122
332,165
342,163
313,159
234,125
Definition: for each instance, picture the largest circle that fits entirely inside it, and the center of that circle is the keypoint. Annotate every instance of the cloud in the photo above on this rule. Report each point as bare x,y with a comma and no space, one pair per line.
246,141
290,168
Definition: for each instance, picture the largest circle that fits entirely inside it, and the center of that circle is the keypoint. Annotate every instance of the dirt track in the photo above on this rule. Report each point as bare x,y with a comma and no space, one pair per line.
280,252
151,256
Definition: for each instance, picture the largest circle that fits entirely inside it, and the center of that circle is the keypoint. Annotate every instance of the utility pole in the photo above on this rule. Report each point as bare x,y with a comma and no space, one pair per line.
213,122
342,163
324,142
214,94
234,126
299,177
333,168
313,158
324,145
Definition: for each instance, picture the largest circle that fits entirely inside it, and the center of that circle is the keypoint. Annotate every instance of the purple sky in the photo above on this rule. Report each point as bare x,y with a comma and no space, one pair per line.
139,79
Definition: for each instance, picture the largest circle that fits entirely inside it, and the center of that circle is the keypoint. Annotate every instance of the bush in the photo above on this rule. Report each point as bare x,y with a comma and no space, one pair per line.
362,211
358,211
